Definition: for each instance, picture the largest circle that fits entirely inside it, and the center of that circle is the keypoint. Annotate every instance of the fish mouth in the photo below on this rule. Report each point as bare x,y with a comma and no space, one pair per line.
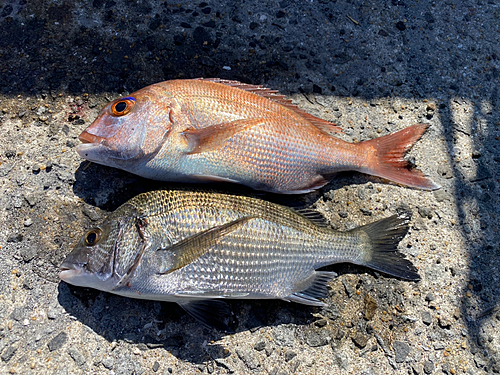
91,146
69,271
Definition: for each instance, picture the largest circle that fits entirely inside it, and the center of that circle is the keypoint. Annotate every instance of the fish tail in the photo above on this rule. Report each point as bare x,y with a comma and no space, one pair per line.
384,236
386,158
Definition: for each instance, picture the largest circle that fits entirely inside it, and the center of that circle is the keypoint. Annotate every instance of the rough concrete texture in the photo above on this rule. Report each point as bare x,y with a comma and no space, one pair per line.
372,67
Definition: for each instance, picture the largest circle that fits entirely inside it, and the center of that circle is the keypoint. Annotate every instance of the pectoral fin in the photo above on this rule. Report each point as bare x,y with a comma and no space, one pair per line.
208,311
188,250
213,137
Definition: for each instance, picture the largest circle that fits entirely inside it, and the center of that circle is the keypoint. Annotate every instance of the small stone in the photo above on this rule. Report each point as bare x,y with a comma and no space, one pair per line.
10,154
348,288
360,340
108,362
77,356
480,363
28,253
417,369
58,341
343,214
156,366
253,25
320,323
439,346
31,199
365,211
426,318
401,26
17,314
429,297
444,322
261,345
284,336
316,339
66,176
370,307
248,358
382,32
9,353
90,213
401,350
28,222
425,212
289,355
331,312
441,195
18,202
445,171
362,193
428,367
52,313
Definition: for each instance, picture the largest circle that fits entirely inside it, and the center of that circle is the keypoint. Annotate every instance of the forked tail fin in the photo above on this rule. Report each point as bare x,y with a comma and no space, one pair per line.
384,236
387,159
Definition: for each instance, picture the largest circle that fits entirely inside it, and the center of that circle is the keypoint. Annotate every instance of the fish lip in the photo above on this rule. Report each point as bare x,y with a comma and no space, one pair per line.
87,138
69,271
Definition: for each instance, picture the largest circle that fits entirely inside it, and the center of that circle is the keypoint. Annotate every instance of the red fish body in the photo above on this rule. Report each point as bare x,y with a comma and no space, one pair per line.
212,129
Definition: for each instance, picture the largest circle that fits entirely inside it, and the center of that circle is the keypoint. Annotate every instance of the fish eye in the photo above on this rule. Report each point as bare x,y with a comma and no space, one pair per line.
122,106
93,236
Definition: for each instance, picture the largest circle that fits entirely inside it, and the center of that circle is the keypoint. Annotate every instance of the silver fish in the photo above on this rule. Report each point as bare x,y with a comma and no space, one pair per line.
196,248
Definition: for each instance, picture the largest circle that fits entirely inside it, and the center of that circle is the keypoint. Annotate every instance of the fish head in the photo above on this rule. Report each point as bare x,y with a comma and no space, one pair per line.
128,131
103,255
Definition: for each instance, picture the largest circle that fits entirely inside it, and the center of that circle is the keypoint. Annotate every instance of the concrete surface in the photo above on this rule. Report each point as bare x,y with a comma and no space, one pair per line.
372,67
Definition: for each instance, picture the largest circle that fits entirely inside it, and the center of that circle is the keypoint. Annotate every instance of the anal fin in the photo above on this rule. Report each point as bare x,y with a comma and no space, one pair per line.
318,182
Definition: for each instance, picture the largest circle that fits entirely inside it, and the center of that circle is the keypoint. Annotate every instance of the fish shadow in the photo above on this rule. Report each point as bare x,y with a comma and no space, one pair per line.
119,186
153,324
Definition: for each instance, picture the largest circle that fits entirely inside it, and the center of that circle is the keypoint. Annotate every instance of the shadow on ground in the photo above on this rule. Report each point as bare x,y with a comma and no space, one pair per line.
163,324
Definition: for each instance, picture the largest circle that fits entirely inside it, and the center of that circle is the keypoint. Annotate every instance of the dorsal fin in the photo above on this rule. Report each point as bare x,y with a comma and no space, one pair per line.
323,125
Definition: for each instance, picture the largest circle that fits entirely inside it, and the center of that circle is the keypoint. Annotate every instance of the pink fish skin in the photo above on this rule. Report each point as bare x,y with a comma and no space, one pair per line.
219,130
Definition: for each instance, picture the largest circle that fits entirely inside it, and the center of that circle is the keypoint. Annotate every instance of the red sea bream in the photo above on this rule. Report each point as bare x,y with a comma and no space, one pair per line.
219,130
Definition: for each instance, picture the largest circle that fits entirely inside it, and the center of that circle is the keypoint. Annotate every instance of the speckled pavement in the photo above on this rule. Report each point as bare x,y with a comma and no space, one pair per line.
371,67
